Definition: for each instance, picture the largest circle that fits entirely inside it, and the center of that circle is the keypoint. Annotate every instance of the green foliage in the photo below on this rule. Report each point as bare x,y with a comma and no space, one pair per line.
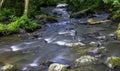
3,29
13,27
24,22
115,8
27,24
4,14
117,32
114,61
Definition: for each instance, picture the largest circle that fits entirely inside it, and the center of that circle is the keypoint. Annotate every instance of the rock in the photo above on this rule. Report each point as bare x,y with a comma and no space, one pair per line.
117,34
76,44
93,44
101,38
111,35
113,62
45,18
62,5
1,64
93,21
22,31
86,60
98,52
8,67
58,67
80,14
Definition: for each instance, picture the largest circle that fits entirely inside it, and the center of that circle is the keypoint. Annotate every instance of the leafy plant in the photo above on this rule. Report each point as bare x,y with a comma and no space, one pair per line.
13,27
4,13
27,24
3,29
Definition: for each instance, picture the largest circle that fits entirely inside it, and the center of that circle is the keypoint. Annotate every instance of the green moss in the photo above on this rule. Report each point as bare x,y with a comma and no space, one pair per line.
117,32
4,14
27,24
13,27
24,22
3,29
44,18
114,61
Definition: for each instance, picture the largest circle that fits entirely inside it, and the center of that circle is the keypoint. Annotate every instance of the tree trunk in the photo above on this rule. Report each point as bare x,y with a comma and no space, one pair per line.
1,2
26,7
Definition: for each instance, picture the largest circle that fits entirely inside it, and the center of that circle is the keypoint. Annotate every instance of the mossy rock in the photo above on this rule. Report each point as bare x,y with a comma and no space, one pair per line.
44,18
93,21
8,67
86,60
117,34
82,13
113,62
58,67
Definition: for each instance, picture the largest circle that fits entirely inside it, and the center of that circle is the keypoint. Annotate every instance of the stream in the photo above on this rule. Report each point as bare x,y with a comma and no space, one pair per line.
31,54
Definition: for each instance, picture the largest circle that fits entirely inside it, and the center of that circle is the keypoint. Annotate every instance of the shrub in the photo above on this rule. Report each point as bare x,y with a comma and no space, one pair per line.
13,27
3,29
27,24
4,13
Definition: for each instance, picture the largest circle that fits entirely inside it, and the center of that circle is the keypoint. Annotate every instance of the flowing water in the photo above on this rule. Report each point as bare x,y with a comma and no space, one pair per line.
52,46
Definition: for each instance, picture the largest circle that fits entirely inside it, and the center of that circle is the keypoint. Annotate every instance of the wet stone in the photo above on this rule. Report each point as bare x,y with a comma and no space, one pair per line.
62,5
113,62
86,60
93,44
58,67
97,52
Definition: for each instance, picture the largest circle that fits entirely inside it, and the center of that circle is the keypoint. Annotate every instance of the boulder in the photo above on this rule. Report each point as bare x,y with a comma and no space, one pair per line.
8,67
93,21
62,5
113,62
98,51
101,38
93,44
76,44
58,67
86,60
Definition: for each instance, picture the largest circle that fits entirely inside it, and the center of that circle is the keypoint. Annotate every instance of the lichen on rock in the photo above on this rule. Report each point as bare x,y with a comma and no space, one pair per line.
86,60
113,62
58,67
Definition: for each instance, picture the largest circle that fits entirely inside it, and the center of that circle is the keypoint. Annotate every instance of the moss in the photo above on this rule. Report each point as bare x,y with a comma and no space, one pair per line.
117,32
3,29
13,27
24,22
27,24
44,18
84,51
114,61
9,67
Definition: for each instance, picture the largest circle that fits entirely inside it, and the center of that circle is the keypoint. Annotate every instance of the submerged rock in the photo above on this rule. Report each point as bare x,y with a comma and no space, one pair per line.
86,60
113,62
58,67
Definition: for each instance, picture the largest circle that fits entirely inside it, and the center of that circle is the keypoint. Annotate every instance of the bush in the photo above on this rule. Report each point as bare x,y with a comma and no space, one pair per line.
24,22
3,29
4,14
27,24
13,27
